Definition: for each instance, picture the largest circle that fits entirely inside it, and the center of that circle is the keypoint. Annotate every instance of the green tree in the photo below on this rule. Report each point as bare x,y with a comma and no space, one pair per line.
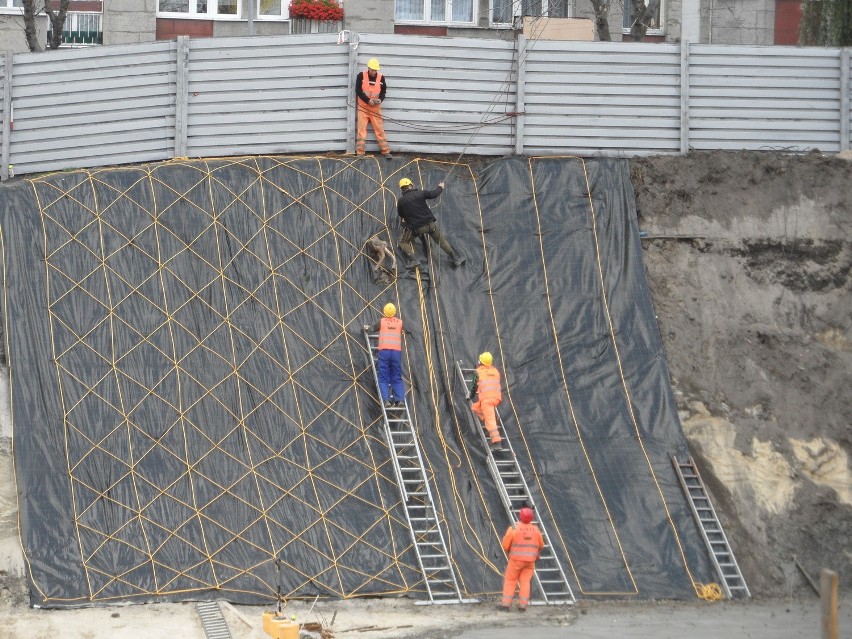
826,23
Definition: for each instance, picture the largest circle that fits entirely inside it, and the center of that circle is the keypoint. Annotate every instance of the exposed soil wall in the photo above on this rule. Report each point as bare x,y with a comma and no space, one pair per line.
748,256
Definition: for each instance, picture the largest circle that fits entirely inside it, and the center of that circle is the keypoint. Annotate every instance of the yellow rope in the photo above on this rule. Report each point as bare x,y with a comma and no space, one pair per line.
708,592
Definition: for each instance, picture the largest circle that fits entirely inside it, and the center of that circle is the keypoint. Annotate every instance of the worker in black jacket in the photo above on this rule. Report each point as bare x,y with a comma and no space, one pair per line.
418,220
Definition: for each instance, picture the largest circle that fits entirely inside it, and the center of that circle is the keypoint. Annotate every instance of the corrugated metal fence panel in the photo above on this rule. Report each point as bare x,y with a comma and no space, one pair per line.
2,94
595,98
267,95
445,95
93,107
764,98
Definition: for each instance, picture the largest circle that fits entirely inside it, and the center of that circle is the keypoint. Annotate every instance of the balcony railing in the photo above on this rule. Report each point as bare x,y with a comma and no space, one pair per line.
82,28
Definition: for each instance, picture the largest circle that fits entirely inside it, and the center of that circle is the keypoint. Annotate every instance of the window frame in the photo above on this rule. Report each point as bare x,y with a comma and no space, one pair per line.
448,5
7,8
212,12
285,12
661,31
518,12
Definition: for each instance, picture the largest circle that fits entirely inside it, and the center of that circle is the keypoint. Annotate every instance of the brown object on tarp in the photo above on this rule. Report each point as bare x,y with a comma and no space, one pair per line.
581,29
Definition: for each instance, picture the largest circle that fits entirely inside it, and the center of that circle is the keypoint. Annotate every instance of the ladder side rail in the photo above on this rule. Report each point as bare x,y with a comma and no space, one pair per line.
721,530
701,528
388,437
495,471
526,493
396,466
430,500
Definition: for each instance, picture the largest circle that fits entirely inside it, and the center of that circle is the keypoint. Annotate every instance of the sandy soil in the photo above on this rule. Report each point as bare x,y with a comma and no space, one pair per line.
748,257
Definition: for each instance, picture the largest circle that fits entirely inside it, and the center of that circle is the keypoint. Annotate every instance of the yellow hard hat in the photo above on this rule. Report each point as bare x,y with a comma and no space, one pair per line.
390,310
373,64
405,182
485,359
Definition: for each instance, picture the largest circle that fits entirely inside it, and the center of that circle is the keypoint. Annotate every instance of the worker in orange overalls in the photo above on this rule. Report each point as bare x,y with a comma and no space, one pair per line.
389,360
523,544
370,89
486,383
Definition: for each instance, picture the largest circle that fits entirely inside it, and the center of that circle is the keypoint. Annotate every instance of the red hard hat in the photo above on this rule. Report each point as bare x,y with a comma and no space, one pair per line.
526,515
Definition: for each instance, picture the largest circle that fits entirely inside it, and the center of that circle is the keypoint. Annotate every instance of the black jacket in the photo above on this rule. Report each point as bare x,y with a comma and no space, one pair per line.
412,207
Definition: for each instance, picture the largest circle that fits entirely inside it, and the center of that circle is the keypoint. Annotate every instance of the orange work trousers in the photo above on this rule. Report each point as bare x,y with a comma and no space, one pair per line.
372,115
518,573
484,409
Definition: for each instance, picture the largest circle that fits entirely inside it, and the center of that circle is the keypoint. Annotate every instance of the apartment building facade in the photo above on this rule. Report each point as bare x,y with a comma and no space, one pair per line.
756,22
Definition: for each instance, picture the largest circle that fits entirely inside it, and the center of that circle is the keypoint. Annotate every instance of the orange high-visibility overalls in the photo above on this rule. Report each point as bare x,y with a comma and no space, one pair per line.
523,543
371,113
490,396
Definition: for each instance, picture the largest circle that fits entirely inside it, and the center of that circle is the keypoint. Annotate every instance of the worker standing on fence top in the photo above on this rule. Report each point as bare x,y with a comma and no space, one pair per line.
418,220
486,384
370,90
389,369
523,544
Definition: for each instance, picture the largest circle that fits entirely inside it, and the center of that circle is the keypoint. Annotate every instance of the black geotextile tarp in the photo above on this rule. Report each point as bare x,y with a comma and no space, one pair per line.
192,398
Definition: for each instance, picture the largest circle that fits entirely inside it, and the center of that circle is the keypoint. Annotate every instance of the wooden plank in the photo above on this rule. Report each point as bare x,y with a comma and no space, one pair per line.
828,604
5,134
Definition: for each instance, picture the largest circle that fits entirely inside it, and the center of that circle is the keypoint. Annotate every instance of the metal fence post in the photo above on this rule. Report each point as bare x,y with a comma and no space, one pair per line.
844,98
520,101
7,116
684,97
181,96
351,101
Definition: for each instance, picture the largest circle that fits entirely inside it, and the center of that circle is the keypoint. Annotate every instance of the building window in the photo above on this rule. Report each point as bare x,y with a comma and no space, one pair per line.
435,11
11,4
199,8
504,12
273,9
656,25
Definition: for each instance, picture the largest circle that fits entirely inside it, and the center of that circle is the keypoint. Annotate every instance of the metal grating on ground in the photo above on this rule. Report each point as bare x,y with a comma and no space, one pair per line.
212,620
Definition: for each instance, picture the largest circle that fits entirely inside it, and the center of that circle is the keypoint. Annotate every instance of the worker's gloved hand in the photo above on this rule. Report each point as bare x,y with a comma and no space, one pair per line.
366,328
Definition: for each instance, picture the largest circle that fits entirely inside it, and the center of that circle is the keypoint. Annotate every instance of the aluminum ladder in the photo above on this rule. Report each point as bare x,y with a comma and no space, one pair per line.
715,539
549,577
212,620
441,584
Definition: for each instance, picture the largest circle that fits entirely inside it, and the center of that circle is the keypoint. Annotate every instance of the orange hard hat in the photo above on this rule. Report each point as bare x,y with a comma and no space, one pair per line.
526,515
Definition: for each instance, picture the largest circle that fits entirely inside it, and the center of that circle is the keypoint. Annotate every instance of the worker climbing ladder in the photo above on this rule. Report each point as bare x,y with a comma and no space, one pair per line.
441,584
715,539
549,578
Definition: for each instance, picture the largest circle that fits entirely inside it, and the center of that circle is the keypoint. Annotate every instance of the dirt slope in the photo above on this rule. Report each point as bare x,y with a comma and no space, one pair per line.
752,288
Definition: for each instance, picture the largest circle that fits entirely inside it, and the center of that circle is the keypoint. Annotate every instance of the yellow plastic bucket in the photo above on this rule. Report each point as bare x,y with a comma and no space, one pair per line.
284,629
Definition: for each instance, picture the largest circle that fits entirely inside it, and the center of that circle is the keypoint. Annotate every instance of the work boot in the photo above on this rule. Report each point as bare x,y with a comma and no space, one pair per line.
458,260
504,608
387,156
522,609
498,445
388,404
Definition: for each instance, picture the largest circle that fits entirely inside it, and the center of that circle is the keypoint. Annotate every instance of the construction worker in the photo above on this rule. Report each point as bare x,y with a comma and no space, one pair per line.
486,384
370,90
389,370
523,544
418,220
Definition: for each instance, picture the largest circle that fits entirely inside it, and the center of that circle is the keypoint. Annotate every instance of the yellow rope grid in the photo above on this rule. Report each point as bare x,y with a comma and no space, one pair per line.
210,572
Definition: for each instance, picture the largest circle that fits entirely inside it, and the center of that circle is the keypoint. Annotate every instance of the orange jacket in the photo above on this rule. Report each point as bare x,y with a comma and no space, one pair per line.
488,383
390,334
523,542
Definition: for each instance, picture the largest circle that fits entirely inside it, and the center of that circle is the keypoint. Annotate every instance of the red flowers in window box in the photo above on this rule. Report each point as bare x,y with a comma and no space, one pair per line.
316,10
